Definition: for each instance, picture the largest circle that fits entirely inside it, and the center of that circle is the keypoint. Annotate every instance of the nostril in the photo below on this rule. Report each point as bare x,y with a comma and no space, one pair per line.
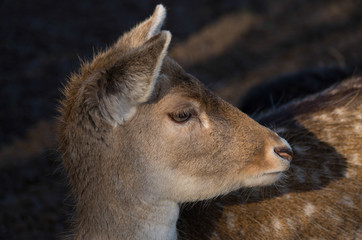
284,152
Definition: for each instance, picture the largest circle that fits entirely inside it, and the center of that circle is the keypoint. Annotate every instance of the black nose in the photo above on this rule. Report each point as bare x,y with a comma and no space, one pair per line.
284,152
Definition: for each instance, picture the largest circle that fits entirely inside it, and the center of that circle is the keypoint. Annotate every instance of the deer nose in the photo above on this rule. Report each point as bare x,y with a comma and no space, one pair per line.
284,152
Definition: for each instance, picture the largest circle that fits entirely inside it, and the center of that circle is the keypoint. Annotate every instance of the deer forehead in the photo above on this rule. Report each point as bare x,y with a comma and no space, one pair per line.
175,91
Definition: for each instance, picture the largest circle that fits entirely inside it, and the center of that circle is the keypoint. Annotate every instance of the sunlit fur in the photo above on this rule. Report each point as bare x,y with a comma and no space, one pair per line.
129,163
319,198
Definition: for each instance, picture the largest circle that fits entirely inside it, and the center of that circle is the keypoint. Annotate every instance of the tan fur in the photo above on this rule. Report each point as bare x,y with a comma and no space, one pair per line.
130,163
321,197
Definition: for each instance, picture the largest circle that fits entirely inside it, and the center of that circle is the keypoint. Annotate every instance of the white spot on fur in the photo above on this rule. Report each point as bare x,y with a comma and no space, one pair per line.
276,224
286,193
322,117
333,216
230,220
347,201
359,116
351,173
265,229
339,111
309,209
290,223
358,128
355,159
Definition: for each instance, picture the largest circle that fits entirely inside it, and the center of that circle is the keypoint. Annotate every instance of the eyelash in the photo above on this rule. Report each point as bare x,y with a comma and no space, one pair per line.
182,116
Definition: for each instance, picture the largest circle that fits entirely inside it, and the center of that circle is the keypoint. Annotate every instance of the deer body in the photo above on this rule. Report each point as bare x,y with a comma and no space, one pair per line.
321,197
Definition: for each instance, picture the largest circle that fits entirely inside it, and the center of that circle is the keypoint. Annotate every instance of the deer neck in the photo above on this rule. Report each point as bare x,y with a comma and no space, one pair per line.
123,214
155,219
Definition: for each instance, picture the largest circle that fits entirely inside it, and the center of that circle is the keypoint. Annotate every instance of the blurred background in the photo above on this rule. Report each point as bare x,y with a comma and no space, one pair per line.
256,54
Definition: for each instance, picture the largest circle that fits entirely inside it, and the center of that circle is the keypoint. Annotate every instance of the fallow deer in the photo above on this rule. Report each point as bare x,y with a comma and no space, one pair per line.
139,136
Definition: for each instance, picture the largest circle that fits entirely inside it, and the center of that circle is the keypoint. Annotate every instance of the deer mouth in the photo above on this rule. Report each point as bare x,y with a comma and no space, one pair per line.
277,171
273,173
264,179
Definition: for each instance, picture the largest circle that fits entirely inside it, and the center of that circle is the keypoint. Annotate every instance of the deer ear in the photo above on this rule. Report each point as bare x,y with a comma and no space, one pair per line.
145,30
122,87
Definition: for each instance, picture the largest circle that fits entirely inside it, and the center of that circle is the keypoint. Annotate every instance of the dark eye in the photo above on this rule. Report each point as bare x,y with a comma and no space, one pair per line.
181,117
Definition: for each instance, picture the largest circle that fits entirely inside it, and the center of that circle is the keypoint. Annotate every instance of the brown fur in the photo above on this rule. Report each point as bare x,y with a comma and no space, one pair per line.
322,195
130,163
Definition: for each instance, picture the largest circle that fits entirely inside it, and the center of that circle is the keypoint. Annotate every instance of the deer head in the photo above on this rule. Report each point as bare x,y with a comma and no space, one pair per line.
137,130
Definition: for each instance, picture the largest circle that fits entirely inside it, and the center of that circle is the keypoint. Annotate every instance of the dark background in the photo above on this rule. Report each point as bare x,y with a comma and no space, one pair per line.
291,48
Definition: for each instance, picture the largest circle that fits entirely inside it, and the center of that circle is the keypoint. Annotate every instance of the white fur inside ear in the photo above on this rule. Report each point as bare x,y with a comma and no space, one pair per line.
158,65
157,20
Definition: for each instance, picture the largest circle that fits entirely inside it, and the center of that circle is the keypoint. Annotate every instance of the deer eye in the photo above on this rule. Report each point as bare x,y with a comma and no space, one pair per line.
181,117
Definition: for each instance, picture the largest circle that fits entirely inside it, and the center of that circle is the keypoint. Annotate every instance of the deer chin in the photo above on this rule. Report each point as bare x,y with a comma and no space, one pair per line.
263,179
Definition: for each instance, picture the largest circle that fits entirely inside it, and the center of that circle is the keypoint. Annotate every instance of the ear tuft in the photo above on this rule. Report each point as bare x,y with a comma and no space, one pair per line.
158,17
164,36
145,30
